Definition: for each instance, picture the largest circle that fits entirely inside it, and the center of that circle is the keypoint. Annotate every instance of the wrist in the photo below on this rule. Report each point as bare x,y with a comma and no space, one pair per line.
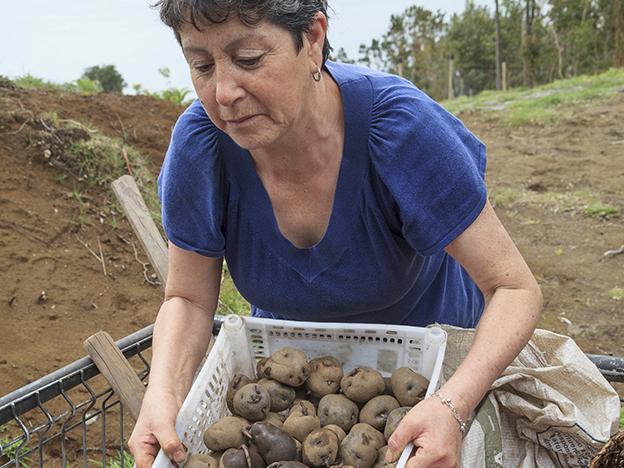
461,421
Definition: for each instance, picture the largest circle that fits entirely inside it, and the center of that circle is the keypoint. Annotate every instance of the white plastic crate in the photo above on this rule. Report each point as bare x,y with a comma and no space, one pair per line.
243,340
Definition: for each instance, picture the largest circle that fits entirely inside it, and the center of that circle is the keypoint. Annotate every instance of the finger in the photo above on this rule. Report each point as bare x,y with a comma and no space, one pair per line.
144,452
171,445
144,460
422,459
405,433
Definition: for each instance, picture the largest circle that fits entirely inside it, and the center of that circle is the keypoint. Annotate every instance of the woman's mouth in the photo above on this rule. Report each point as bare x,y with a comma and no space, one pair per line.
241,120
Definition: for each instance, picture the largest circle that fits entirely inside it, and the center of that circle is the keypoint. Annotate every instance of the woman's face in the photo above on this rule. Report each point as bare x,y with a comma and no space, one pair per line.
251,81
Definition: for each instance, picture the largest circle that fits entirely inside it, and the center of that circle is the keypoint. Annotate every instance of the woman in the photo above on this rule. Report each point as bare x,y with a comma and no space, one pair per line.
335,193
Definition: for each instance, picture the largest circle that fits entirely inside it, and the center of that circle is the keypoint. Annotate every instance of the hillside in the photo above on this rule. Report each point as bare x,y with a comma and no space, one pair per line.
556,183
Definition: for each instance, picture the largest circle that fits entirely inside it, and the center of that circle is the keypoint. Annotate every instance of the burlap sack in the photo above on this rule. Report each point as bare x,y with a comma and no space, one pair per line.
550,408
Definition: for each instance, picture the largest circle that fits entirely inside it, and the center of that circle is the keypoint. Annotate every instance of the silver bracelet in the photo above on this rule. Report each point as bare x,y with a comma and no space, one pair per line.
463,425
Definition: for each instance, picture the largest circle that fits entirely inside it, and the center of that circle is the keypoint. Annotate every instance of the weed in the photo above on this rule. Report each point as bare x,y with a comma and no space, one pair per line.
125,461
50,118
600,210
29,81
87,86
60,178
175,95
616,294
622,417
504,197
230,300
13,448
83,208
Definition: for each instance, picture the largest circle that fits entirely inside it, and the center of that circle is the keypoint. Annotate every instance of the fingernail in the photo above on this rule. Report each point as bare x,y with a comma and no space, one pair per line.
178,457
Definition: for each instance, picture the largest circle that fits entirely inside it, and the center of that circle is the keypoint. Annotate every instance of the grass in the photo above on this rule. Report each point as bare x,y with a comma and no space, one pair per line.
617,294
580,202
100,160
127,461
230,300
598,209
11,449
81,85
542,104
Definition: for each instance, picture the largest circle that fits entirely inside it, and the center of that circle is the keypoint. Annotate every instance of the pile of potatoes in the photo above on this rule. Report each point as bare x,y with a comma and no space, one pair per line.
301,413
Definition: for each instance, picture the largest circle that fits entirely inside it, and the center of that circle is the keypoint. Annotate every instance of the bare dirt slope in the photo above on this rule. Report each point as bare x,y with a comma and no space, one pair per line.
542,178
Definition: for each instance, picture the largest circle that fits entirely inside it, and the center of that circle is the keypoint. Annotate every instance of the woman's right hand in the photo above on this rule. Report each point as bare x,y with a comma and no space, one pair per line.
155,428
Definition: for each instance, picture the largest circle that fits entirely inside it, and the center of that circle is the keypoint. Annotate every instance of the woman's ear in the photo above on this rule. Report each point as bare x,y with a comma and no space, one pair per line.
316,39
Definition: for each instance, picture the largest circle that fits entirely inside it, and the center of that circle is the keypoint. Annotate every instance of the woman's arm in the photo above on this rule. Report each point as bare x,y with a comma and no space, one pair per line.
513,303
181,336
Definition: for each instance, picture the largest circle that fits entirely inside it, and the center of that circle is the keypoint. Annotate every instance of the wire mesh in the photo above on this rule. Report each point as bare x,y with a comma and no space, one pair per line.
71,417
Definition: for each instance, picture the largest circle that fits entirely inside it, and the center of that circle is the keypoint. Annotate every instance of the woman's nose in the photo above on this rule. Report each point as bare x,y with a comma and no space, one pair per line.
228,89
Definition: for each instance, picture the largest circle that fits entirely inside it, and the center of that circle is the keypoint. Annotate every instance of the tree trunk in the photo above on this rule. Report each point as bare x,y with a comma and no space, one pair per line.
498,49
527,43
618,40
451,91
559,51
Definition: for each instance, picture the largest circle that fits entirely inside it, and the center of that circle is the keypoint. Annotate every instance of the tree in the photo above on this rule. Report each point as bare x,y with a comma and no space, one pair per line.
108,77
414,48
498,48
341,56
472,42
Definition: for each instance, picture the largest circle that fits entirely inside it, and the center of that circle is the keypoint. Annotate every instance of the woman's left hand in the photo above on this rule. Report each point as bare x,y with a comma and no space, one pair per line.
435,433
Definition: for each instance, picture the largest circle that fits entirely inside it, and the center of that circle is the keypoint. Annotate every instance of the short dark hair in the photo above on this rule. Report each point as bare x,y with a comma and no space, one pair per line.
296,16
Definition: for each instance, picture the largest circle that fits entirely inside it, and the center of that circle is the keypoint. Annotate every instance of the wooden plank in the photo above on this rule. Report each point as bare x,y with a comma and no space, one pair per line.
115,367
131,200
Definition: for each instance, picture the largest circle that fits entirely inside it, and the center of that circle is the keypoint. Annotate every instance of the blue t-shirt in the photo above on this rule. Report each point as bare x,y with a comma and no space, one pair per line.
411,180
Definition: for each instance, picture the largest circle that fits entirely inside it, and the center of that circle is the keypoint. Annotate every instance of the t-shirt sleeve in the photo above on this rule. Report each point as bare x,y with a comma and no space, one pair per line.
433,167
190,185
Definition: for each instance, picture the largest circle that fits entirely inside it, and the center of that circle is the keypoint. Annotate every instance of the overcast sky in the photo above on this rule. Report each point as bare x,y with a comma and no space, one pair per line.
57,40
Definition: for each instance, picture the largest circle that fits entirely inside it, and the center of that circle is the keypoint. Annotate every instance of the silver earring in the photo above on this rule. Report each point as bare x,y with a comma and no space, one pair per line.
316,76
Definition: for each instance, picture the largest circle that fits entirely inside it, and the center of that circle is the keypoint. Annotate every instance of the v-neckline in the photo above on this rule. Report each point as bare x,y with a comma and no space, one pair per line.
338,190
311,261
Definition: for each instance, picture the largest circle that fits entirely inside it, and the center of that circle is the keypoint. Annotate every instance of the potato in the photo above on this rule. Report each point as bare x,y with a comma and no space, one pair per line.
287,464
226,433
240,458
394,418
338,410
252,402
300,426
325,376
237,382
408,386
320,448
282,396
381,459
358,450
275,419
273,444
201,460
337,430
288,366
376,411
302,408
362,384
376,437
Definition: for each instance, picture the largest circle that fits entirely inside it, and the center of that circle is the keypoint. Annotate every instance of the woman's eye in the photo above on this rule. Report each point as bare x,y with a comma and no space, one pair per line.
203,68
249,62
